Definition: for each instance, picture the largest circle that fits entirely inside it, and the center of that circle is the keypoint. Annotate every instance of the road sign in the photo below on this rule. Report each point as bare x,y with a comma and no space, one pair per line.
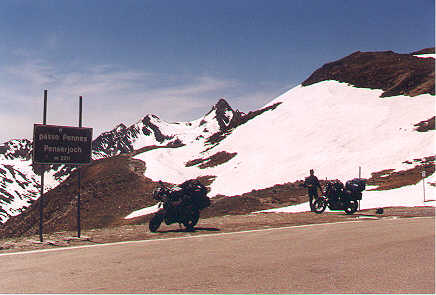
61,144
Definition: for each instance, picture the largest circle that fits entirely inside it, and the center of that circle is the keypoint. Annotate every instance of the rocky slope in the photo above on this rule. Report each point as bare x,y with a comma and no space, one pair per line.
394,73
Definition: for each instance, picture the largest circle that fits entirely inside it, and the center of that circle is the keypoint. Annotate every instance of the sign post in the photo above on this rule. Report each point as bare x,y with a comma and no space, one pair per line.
60,145
423,182
78,168
41,200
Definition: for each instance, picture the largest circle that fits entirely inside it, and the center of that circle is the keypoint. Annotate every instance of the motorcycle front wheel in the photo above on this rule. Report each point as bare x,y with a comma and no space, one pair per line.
351,207
155,221
319,205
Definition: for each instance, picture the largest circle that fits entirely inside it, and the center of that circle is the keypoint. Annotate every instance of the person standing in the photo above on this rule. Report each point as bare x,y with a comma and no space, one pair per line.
312,184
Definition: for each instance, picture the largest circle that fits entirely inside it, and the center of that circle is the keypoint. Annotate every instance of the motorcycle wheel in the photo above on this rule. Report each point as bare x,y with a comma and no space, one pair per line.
319,205
351,207
155,222
192,220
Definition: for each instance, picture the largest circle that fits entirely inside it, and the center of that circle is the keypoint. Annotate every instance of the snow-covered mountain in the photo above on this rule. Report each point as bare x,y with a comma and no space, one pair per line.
151,131
20,184
333,127
370,110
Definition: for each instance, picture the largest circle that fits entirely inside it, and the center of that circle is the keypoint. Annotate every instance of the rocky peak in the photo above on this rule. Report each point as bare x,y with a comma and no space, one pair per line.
120,128
222,104
394,73
150,127
112,142
225,115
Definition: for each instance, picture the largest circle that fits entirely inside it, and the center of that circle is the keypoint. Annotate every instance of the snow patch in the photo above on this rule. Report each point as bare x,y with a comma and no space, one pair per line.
429,55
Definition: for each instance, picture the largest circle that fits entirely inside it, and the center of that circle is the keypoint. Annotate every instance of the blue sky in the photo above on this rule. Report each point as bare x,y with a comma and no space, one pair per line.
175,59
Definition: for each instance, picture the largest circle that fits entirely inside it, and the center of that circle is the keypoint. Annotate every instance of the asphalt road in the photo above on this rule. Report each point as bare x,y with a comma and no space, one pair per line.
378,256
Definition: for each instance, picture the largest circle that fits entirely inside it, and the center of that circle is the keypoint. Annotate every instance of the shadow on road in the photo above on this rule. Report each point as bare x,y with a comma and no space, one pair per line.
181,230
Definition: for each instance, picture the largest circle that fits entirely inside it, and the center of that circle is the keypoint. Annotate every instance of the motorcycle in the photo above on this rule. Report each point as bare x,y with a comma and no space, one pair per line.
181,204
338,197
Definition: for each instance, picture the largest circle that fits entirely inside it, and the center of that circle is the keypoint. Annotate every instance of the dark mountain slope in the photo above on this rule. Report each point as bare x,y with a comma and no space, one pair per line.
395,74
111,189
430,50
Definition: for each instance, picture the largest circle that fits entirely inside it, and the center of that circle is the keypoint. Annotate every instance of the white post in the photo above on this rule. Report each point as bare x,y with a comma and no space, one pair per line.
423,182
360,176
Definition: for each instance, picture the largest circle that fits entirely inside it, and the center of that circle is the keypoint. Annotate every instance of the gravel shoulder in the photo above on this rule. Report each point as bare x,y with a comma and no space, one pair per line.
221,224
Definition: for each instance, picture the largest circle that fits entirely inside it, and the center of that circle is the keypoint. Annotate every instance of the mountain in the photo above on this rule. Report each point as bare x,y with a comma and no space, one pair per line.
360,111
151,131
19,181
329,125
20,185
17,184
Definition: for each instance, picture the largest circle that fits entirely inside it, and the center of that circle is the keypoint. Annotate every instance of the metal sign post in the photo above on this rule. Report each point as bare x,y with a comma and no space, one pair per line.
41,199
60,145
78,168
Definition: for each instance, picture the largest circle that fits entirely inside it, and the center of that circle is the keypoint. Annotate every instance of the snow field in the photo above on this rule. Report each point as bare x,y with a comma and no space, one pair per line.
331,127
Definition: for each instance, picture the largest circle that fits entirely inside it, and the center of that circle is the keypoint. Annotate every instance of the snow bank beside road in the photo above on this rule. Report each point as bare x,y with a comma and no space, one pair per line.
143,212
406,196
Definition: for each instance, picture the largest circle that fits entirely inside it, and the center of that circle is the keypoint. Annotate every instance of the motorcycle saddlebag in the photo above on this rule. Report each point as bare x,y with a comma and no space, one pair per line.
356,196
197,192
202,201
356,185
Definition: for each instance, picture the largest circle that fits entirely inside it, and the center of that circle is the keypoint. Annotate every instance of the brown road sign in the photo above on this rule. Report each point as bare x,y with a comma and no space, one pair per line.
61,144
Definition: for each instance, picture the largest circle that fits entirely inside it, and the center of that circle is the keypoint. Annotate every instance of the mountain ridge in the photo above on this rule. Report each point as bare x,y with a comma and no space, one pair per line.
394,73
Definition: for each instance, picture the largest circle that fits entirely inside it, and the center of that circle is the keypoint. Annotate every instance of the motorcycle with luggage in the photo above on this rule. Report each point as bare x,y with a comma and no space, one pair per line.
340,197
181,204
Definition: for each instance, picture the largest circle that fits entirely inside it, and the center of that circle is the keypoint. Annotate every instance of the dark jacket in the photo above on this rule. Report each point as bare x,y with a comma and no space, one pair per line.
312,183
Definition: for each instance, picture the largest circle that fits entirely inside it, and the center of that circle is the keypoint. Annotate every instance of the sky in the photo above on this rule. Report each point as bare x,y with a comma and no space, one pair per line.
175,59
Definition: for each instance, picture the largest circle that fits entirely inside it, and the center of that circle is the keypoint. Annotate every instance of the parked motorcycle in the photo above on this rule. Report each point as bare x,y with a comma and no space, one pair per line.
338,197
181,204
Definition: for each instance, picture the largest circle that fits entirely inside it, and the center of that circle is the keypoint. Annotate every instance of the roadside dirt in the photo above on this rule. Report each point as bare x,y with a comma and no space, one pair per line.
218,224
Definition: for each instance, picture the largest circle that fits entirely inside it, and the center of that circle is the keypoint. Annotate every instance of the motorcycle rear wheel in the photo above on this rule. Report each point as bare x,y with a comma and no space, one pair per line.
351,207
319,206
192,220
155,222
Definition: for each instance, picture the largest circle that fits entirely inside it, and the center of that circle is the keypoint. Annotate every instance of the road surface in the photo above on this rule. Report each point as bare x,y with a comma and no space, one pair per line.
373,256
